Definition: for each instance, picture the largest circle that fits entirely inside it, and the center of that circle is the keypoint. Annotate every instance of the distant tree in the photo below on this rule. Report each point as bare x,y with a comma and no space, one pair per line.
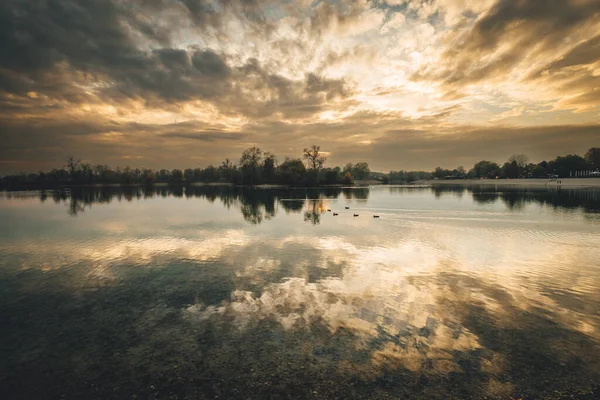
361,170
269,166
348,178
521,160
251,158
314,157
563,166
438,173
189,175
331,176
592,157
348,168
227,170
510,169
176,176
100,173
164,175
486,169
126,175
539,171
291,171
212,173
72,165
148,176
529,169
250,162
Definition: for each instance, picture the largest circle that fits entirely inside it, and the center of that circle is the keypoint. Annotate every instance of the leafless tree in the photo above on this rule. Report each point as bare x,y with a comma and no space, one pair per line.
314,157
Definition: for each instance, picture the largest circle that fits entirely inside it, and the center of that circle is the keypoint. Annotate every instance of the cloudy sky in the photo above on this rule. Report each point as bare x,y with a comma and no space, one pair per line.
401,84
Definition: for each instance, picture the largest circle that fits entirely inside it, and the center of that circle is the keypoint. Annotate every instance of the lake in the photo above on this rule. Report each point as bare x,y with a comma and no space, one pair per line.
222,292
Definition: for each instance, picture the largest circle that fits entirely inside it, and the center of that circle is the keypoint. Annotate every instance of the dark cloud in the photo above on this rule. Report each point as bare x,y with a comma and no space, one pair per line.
173,59
74,52
507,35
171,75
47,40
260,93
196,130
210,64
63,62
586,52
205,136
573,74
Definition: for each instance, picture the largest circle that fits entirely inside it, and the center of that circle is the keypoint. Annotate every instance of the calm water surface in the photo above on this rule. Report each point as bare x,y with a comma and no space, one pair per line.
216,292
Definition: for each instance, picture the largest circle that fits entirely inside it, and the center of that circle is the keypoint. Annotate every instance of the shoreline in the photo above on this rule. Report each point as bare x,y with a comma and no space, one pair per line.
524,183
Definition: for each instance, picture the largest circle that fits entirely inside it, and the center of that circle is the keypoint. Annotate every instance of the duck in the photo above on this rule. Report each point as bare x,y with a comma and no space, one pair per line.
375,216
328,210
356,215
347,208
334,214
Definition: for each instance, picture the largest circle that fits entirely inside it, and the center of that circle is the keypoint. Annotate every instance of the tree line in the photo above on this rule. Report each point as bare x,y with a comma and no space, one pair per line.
258,167
517,166
254,167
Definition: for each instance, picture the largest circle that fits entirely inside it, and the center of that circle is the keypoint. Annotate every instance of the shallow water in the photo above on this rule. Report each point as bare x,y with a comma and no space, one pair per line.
209,292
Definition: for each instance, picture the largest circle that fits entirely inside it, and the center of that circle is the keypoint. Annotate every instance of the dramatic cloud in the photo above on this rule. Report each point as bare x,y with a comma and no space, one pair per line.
399,84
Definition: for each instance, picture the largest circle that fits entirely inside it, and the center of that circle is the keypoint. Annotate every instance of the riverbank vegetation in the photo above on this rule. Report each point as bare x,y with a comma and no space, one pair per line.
517,166
256,167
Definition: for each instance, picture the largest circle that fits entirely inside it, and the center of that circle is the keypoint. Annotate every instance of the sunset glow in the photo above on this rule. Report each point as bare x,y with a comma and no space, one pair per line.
409,84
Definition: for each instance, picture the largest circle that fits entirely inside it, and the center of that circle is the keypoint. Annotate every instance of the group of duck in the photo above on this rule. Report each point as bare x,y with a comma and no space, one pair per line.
347,208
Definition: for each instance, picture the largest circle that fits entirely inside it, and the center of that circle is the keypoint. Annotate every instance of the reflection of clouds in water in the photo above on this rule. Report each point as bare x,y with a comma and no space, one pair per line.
396,295
455,299
364,270
402,316
144,250
52,255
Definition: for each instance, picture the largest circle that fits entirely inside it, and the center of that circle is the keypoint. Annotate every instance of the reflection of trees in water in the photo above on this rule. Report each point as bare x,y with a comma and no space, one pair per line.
360,193
255,204
438,191
259,204
314,209
484,197
585,198
515,198
292,205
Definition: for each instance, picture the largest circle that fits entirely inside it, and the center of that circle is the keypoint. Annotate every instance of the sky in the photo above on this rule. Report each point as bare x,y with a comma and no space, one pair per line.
400,84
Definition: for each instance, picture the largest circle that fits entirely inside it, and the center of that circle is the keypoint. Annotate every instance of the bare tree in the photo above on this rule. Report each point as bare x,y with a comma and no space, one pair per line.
72,165
520,159
251,158
314,157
